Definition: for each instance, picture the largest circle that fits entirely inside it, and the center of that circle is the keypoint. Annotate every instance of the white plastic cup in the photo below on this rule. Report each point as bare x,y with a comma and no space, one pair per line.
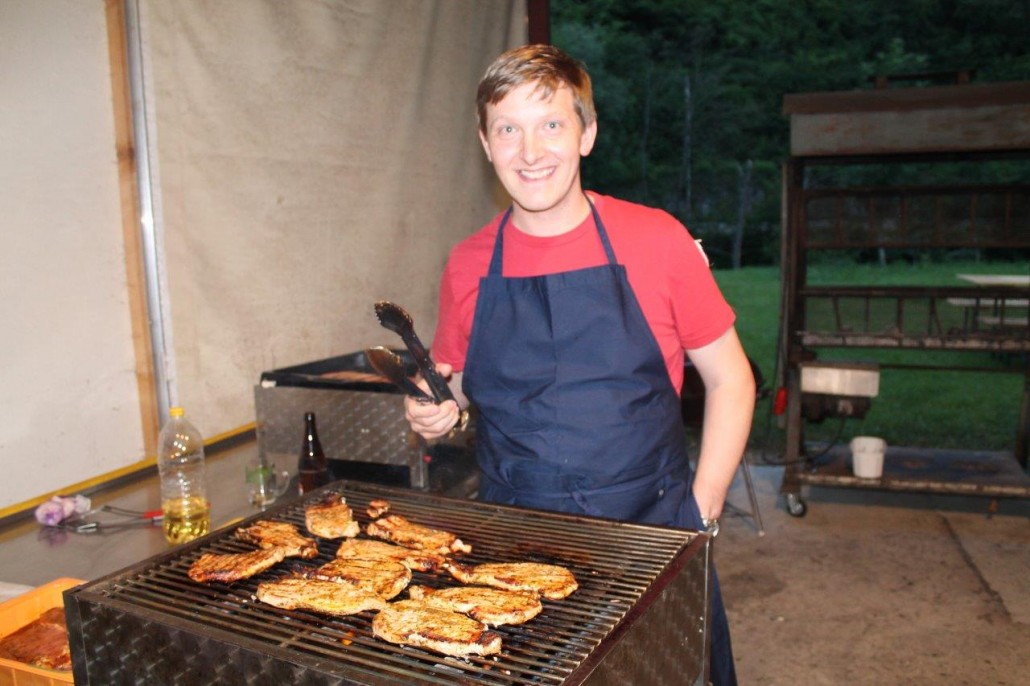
867,456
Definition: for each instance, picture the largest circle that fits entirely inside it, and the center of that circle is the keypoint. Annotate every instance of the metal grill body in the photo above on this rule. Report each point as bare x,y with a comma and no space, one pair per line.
352,425
640,614
358,422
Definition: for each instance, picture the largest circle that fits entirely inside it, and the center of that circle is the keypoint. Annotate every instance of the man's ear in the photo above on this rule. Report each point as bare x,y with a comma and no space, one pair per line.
587,138
486,146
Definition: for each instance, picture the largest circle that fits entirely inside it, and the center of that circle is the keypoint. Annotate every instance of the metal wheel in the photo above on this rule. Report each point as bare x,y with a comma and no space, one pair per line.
796,507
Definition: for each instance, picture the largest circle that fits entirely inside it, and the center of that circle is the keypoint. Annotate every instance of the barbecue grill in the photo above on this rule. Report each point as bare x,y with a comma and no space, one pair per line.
640,614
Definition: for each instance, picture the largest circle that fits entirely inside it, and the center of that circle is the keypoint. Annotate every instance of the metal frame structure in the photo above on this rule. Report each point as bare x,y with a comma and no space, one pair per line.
962,123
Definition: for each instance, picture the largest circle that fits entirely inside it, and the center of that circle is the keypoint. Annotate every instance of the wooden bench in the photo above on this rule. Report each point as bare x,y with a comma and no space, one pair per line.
1007,312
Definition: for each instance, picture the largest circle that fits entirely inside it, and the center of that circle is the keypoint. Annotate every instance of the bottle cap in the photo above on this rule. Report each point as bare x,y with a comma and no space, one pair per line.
176,412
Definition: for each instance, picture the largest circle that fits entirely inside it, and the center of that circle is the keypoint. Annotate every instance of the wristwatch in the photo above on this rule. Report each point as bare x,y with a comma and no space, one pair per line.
463,423
711,526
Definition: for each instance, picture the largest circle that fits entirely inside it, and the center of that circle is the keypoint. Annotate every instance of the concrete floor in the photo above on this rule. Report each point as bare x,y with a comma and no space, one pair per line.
876,588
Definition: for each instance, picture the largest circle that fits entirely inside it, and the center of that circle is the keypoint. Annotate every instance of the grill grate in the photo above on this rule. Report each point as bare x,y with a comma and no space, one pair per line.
616,564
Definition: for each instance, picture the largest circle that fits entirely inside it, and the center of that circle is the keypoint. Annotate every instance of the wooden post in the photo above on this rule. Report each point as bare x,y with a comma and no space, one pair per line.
538,18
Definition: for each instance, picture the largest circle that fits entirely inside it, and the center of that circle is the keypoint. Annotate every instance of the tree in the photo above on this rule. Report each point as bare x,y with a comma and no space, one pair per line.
689,92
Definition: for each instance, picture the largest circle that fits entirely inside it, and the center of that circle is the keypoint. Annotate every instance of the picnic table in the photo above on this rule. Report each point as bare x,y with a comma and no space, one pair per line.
997,279
995,311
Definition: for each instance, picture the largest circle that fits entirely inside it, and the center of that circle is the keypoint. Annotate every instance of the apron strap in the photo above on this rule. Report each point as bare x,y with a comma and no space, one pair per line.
497,258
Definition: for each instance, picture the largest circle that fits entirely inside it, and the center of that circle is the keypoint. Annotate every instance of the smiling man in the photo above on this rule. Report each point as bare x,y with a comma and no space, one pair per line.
566,320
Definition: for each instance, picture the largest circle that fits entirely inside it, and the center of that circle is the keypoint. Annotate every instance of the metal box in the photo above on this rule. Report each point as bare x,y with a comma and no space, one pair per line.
841,378
361,426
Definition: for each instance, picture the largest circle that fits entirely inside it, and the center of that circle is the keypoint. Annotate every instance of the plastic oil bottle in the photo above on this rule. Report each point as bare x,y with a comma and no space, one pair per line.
180,463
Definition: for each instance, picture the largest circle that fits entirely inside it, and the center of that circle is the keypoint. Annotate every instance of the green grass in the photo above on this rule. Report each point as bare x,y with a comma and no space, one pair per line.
969,410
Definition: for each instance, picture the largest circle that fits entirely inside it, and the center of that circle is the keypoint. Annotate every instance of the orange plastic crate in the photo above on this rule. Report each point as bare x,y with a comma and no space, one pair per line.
20,611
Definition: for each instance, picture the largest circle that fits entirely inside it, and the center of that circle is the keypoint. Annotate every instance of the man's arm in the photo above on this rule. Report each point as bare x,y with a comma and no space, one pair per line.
433,421
729,406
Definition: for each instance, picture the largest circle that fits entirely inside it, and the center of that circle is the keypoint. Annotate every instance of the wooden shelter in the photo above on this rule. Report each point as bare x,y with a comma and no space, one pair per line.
890,129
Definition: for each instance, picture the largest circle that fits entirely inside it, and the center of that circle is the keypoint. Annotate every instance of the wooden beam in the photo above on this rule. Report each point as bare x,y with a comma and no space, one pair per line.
538,17
1000,94
121,96
942,130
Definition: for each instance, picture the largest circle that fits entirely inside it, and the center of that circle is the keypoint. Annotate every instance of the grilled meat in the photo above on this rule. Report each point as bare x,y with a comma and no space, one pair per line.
410,622
266,534
364,549
402,532
550,581
42,642
326,597
377,508
385,578
233,567
331,517
491,606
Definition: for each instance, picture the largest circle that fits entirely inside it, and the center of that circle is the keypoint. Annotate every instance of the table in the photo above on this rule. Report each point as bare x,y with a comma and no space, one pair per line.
997,279
32,555
993,311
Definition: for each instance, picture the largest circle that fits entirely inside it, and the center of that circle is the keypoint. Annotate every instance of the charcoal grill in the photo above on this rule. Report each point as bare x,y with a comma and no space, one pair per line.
640,614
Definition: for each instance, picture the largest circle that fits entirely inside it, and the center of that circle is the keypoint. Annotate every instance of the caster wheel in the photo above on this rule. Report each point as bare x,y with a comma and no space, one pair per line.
796,507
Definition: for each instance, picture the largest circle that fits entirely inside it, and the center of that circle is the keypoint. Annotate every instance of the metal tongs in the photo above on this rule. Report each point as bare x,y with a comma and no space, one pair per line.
127,519
390,365
396,319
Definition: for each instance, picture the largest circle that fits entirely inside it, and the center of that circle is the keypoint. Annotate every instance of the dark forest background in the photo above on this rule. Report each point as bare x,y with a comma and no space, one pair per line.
689,92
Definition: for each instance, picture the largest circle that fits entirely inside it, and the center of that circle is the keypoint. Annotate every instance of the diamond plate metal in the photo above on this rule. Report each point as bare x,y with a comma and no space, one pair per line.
352,425
667,644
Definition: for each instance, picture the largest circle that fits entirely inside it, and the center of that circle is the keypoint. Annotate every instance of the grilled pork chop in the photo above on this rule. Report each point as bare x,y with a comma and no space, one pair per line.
331,517
491,606
402,532
327,597
377,508
233,567
43,642
266,534
364,549
550,581
385,578
410,622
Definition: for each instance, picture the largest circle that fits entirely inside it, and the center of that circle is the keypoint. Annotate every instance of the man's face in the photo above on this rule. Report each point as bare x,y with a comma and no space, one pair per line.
535,145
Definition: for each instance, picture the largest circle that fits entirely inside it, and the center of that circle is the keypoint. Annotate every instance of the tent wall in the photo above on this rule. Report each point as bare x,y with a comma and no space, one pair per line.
69,404
308,158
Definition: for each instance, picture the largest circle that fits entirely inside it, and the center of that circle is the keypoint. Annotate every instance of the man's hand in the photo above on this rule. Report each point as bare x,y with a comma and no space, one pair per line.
430,420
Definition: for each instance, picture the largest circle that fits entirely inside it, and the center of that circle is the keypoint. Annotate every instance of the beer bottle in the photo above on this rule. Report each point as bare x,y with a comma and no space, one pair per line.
312,468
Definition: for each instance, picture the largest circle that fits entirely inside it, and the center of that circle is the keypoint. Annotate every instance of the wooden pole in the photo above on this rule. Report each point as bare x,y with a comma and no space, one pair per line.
538,17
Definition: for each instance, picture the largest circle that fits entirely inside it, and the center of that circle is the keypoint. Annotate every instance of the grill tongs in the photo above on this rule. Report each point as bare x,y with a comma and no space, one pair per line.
390,365
124,519
396,319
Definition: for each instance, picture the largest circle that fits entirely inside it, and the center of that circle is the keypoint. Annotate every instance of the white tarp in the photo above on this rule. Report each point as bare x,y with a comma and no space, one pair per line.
313,157
310,157
69,406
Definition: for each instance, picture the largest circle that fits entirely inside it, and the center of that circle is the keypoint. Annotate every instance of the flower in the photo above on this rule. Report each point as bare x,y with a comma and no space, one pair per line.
59,508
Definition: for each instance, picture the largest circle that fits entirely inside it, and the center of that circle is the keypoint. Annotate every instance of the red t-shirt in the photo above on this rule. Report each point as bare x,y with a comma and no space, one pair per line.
667,271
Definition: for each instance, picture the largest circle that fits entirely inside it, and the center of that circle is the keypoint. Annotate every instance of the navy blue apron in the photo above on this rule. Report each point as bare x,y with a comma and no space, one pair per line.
577,412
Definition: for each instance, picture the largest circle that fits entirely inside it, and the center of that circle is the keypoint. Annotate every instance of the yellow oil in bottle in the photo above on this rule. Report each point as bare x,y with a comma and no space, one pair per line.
186,519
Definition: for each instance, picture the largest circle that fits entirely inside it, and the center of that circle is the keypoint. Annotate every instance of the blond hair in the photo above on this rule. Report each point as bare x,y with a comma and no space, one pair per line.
545,65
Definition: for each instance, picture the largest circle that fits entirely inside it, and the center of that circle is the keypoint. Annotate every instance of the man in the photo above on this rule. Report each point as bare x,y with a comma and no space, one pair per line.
565,320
